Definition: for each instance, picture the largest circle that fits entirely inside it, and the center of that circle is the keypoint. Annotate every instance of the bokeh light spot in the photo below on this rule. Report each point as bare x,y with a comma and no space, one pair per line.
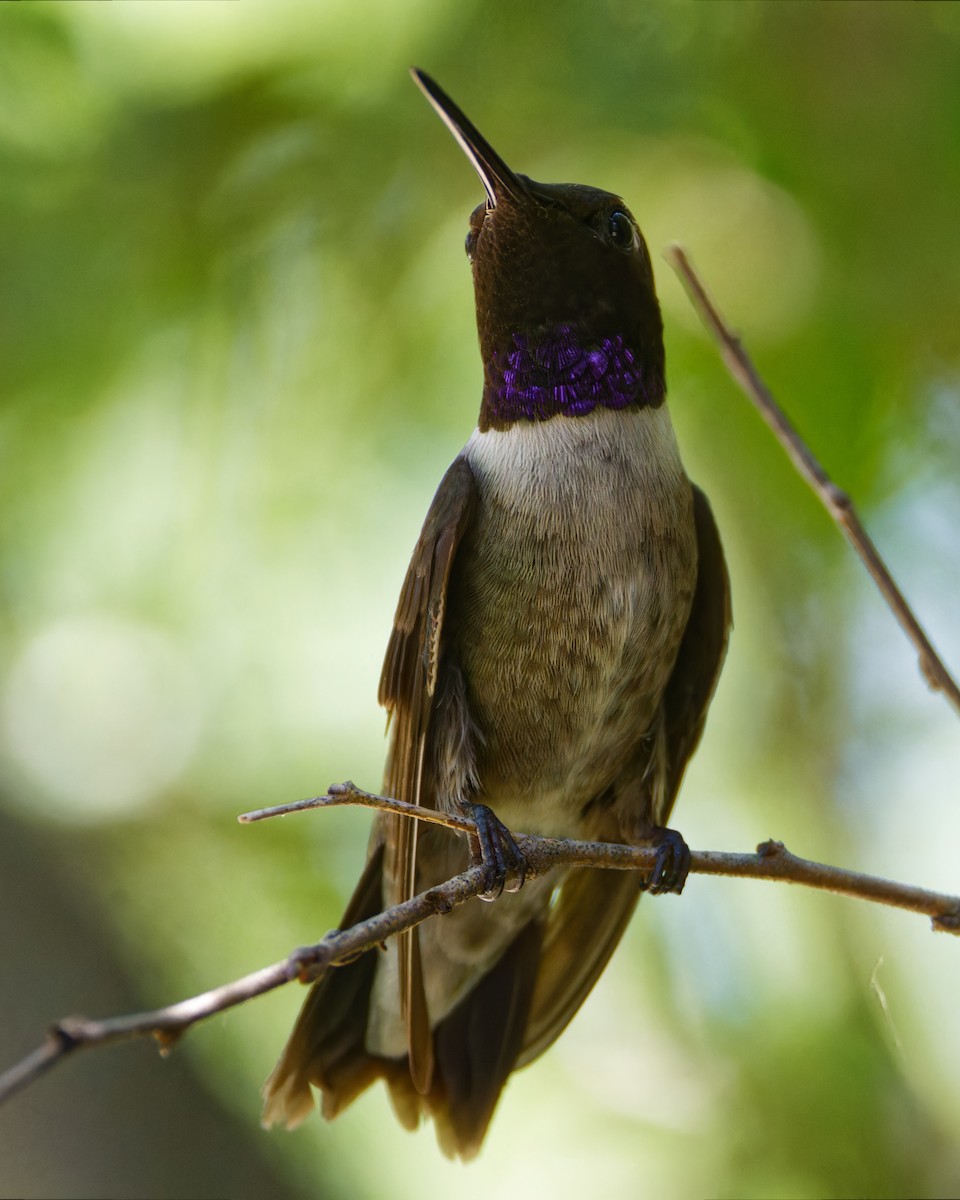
100,714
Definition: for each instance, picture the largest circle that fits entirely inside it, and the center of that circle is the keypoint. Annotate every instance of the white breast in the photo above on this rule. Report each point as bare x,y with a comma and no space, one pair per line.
596,458
575,593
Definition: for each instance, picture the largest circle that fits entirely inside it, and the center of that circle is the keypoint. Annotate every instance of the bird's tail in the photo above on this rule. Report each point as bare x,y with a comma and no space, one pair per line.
475,1046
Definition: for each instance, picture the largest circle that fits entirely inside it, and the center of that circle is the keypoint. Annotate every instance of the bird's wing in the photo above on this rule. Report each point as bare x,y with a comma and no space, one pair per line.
700,657
592,908
407,690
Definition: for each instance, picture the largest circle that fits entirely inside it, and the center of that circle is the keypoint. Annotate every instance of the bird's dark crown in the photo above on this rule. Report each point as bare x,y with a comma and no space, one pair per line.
567,313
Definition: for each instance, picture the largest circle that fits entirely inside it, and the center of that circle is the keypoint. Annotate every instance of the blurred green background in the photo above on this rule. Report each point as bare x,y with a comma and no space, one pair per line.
237,351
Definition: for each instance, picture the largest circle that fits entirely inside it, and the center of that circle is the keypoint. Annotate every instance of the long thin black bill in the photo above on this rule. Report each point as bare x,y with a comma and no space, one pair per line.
498,180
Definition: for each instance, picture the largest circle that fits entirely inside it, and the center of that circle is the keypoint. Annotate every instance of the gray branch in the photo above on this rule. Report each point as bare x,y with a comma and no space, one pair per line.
837,503
166,1025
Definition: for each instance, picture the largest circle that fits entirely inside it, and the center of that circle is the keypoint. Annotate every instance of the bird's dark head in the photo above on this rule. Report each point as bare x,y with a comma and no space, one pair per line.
566,308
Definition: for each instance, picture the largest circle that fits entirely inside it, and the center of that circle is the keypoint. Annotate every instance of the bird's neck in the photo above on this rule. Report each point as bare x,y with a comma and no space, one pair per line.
569,372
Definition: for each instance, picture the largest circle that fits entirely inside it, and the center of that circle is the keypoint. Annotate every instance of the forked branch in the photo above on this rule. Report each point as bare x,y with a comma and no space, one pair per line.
166,1025
772,860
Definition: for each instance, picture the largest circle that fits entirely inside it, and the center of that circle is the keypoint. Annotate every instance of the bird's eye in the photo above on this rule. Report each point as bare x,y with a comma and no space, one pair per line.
470,244
621,231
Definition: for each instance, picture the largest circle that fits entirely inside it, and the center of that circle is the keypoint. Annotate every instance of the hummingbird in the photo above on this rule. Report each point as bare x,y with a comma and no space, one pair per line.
557,641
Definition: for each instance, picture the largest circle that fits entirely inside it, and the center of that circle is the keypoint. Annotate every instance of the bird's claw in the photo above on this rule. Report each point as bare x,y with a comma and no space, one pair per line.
671,864
494,848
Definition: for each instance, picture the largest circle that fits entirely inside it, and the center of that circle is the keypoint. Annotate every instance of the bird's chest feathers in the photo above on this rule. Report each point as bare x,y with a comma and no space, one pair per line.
590,494
575,588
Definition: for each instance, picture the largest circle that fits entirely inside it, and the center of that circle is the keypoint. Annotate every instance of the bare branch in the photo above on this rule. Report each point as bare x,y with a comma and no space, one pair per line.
166,1025
837,503
771,861
348,793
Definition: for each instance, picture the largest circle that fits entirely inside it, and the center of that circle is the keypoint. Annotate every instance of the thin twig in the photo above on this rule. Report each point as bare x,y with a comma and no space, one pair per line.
339,794
771,861
837,503
167,1025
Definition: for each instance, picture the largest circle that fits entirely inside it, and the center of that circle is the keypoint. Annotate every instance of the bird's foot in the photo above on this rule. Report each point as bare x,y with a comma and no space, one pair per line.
671,864
493,848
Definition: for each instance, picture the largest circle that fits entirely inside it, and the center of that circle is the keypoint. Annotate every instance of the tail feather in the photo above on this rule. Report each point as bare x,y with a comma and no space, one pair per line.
326,1047
476,1046
588,917
517,1007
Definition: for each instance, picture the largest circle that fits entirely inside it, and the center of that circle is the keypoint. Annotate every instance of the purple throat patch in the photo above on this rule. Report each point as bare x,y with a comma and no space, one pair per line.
555,375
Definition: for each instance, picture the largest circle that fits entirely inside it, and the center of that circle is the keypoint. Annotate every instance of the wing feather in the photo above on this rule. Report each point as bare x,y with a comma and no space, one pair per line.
701,653
407,687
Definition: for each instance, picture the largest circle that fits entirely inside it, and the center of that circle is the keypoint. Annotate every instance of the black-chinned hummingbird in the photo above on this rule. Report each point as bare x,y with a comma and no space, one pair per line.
557,641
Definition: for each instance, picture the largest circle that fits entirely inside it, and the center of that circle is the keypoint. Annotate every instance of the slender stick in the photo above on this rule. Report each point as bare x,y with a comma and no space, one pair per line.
837,503
166,1025
771,861
339,794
